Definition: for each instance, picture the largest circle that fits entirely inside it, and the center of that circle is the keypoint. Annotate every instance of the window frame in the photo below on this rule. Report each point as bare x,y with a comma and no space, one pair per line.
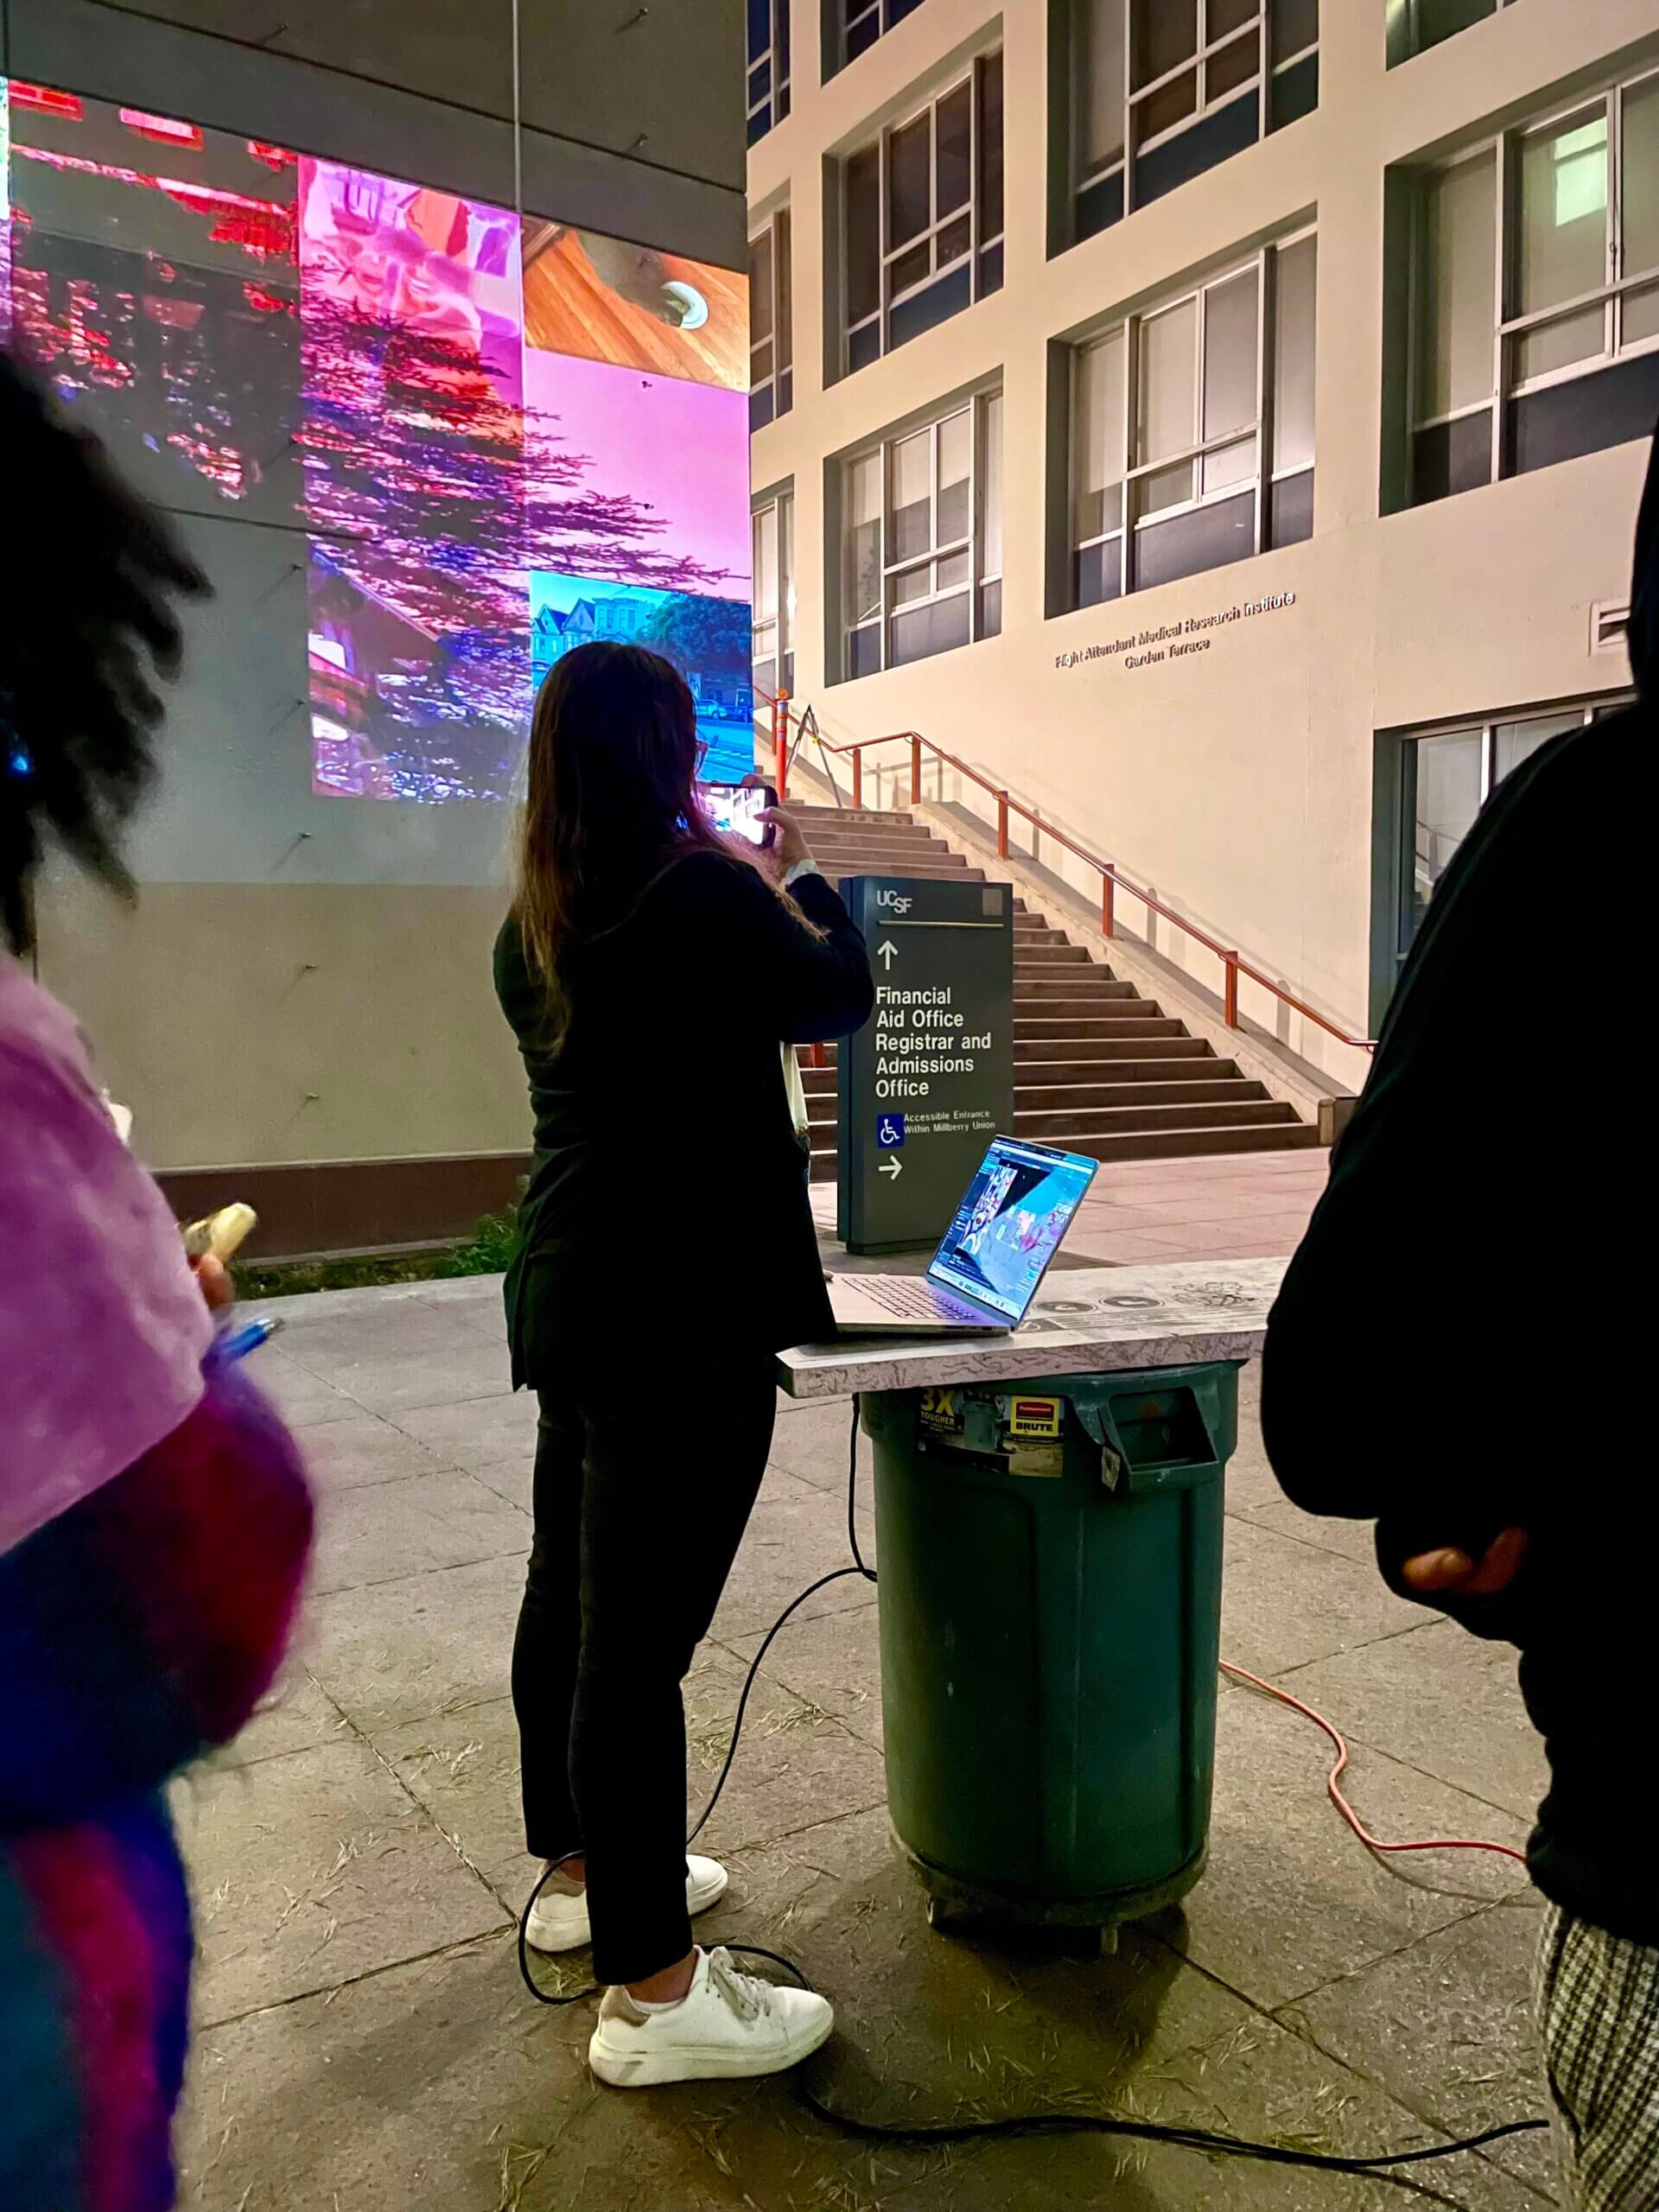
1403,926
980,246
1261,428
773,104
1405,42
971,546
780,505
1131,149
1618,285
887,14
779,381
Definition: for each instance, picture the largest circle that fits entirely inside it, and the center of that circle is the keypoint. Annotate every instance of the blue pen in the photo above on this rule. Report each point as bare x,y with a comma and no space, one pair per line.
236,1344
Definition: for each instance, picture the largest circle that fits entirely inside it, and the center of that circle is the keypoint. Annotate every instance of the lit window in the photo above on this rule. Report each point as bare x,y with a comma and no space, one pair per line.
773,570
1169,429
768,77
922,540
771,317
922,216
1537,337
1162,89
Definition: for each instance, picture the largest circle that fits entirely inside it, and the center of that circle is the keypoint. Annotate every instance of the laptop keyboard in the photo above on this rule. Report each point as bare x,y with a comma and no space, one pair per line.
909,1298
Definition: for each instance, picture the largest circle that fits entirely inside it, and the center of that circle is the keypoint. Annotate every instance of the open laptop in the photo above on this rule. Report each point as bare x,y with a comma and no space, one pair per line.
984,1275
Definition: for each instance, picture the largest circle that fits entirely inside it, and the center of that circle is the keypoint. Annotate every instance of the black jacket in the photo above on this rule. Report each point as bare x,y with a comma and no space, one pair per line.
667,1206
1450,1353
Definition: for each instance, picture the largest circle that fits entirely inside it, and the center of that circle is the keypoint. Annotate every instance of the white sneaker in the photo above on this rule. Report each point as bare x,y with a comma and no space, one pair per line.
558,1919
729,2026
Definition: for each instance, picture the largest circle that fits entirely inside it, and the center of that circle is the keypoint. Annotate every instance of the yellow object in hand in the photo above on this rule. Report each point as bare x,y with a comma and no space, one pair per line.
221,1234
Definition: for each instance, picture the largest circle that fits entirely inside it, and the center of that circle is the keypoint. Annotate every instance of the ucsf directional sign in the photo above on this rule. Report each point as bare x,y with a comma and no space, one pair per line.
929,1082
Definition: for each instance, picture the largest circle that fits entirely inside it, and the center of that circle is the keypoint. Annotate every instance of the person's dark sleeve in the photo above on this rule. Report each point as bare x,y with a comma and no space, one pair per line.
1397,1375
810,977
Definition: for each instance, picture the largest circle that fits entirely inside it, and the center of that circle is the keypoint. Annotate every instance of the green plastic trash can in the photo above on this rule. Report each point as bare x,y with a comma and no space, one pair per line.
1050,1605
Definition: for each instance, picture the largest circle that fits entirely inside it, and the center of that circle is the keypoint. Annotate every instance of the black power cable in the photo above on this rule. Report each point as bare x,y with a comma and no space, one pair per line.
1030,2124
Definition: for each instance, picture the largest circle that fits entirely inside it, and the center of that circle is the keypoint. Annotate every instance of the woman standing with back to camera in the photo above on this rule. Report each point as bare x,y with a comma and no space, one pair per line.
651,974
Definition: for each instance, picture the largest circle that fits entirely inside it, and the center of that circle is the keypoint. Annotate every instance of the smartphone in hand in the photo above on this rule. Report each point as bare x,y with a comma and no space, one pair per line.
736,808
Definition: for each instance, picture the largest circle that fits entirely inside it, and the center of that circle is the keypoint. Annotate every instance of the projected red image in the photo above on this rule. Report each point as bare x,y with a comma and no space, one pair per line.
152,278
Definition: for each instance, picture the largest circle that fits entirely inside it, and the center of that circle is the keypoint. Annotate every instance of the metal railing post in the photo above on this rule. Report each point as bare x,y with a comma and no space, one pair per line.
1108,886
915,771
858,775
1229,1003
1002,825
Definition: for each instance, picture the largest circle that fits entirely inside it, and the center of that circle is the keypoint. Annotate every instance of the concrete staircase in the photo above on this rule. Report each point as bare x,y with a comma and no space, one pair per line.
1097,1068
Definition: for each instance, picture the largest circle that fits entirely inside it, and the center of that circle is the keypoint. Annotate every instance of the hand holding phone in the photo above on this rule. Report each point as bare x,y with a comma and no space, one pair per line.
740,811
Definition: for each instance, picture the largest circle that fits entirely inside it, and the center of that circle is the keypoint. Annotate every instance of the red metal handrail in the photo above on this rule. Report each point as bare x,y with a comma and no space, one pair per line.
1112,879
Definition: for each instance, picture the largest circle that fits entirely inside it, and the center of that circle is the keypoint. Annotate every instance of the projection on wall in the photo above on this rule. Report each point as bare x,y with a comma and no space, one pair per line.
491,441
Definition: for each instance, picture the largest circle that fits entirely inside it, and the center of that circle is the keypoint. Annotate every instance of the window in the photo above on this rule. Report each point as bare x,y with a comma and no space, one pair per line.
1162,89
921,527
1416,25
1536,291
773,570
858,23
768,78
923,216
772,377
1171,413
1446,776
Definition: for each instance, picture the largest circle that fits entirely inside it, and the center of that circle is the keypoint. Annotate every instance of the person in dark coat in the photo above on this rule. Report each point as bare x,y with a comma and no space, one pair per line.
1450,1357
653,972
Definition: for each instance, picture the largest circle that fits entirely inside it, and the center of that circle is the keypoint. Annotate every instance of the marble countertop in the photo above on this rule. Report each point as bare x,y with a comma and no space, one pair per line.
1090,1321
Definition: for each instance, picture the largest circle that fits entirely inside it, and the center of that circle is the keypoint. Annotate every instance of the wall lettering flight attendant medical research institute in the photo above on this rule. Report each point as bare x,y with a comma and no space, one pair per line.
1174,641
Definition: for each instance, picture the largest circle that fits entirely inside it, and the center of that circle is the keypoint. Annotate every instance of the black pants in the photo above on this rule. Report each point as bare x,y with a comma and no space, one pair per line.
643,1490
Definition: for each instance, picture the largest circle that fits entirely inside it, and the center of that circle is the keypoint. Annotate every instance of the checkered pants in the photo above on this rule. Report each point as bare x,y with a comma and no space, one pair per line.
1597,2000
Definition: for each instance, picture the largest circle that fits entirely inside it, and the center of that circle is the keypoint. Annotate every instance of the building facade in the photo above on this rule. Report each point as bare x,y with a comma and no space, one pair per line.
1220,421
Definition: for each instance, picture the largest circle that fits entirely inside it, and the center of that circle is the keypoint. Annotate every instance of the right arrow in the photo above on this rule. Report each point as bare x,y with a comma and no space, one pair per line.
894,1167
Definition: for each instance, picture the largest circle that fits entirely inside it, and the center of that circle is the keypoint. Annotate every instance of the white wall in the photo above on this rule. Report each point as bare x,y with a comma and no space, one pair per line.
1237,783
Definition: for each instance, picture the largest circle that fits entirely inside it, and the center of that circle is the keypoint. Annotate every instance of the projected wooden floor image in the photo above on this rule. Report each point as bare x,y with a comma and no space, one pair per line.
607,300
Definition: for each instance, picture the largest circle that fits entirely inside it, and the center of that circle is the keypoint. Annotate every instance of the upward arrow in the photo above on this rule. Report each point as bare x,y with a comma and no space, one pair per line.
886,952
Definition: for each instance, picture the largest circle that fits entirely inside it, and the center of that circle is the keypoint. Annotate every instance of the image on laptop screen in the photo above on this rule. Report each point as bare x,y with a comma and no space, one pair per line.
1015,1212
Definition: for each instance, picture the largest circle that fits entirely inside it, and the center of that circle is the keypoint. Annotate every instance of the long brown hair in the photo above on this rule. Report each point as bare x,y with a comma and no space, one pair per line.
611,801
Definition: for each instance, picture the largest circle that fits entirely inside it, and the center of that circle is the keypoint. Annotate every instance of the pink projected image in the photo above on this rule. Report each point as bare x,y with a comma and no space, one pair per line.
323,349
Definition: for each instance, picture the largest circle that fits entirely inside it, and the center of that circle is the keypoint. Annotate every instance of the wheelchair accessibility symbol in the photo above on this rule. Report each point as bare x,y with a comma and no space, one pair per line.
890,1131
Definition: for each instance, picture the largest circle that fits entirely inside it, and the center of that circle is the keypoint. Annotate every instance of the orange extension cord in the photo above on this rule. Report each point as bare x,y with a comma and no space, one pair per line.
1333,1780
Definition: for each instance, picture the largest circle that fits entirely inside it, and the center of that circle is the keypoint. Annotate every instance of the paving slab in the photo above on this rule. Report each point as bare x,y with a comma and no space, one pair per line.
833,1661
390,1530
1285,1604
427,1643
479,1432
1442,1701
1445,2027
312,1869
1292,1900
362,1450
795,1534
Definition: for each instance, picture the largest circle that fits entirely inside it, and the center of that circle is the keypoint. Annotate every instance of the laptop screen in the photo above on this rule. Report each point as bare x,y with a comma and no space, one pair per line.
1009,1225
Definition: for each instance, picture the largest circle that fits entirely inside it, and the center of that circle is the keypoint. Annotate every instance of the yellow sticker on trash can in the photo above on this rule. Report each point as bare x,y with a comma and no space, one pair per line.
942,1412
1034,1416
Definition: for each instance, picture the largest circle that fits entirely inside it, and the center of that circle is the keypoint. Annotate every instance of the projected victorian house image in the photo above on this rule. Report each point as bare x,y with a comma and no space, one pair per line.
707,640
